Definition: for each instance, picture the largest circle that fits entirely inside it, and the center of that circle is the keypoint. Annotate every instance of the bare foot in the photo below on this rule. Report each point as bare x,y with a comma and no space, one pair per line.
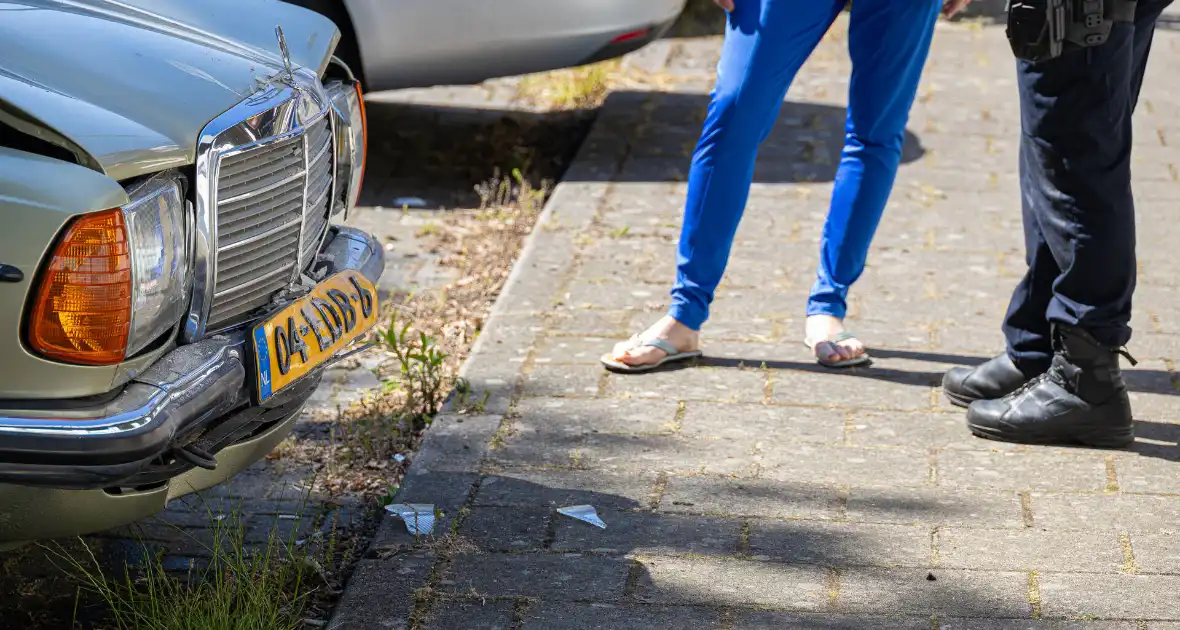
683,338
821,327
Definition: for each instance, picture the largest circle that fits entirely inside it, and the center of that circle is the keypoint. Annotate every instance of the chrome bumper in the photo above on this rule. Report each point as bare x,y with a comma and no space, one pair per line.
187,406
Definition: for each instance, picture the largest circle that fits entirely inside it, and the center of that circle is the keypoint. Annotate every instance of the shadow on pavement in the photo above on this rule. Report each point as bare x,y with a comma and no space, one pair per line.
1154,439
678,550
440,153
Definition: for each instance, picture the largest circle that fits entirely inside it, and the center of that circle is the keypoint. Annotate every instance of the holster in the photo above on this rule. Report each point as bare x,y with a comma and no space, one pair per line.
1039,30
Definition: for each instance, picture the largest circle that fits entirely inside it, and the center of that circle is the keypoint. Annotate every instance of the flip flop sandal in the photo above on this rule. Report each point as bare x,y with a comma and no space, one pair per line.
844,336
672,355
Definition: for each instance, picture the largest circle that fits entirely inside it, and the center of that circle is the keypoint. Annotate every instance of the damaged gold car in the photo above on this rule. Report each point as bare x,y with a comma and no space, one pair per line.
172,282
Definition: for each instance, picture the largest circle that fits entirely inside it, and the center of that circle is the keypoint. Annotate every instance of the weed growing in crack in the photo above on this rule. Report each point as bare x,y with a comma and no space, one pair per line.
388,422
502,197
572,88
422,364
467,400
242,586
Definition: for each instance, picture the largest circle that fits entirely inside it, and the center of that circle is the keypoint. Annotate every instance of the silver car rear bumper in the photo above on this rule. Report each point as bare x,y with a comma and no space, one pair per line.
414,43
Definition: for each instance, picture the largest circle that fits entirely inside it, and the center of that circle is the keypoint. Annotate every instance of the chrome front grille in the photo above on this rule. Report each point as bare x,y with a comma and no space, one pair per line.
272,208
319,187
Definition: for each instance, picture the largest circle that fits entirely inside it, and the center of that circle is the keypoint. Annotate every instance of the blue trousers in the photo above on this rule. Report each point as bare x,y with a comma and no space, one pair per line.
1075,184
766,42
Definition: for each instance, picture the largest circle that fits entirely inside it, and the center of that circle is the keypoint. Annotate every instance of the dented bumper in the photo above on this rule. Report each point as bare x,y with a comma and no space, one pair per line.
176,416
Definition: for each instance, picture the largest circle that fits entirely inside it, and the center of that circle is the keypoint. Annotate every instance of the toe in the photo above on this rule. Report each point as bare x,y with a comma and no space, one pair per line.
827,351
851,349
642,356
622,349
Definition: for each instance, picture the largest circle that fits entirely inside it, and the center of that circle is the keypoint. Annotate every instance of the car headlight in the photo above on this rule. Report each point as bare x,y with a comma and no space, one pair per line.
118,280
348,107
159,259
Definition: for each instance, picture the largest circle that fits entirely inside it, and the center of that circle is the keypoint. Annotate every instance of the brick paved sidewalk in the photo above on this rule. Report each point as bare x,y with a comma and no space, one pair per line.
755,490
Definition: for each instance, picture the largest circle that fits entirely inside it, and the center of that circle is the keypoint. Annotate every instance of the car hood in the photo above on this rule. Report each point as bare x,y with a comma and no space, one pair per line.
129,84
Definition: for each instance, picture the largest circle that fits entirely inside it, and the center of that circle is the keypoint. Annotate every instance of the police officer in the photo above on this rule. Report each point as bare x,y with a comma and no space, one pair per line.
1059,380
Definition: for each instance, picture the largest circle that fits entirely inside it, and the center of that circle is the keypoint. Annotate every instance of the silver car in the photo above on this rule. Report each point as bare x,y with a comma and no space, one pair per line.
420,43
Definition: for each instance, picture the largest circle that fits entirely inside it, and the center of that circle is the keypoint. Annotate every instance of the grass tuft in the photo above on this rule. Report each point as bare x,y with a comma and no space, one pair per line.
583,87
241,587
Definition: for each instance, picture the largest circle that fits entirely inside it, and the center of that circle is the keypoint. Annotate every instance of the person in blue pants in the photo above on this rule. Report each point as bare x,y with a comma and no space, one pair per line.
766,42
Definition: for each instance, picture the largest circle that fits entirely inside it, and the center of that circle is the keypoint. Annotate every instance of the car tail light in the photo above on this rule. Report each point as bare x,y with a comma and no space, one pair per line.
82,308
626,37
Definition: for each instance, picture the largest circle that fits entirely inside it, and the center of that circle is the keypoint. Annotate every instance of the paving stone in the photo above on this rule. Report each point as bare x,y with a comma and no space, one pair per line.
671,454
732,583
1156,417
887,338
1119,512
1021,471
493,381
562,577
717,384
650,534
507,528
556,616
747,497
918,430
581,416
874,387
592,323
777,620
773,425
745,304
614,295
472,615
257,483
519,449
866,467
567,487
1109,596
571,350
952,593
455,443
839,544
1029,549
930,506
1028,624
1147,475
1158,552
380,592
563,380
734,354
726,326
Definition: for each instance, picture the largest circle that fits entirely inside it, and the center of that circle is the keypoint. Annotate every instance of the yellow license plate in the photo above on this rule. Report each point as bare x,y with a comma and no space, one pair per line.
309,331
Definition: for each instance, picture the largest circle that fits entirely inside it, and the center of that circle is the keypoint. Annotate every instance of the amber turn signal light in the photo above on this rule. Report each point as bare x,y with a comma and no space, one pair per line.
82,311
360,99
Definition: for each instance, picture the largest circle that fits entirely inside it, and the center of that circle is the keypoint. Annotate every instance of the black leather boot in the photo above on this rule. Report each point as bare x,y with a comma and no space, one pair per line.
995,379
1081,400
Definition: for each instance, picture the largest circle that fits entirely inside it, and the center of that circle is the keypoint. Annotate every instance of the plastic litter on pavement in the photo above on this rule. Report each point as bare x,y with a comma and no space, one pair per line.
584,513
409,202
419,517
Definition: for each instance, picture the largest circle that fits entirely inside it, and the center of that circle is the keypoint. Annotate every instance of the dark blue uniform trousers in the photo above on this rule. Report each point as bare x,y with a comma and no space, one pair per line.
1075,182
